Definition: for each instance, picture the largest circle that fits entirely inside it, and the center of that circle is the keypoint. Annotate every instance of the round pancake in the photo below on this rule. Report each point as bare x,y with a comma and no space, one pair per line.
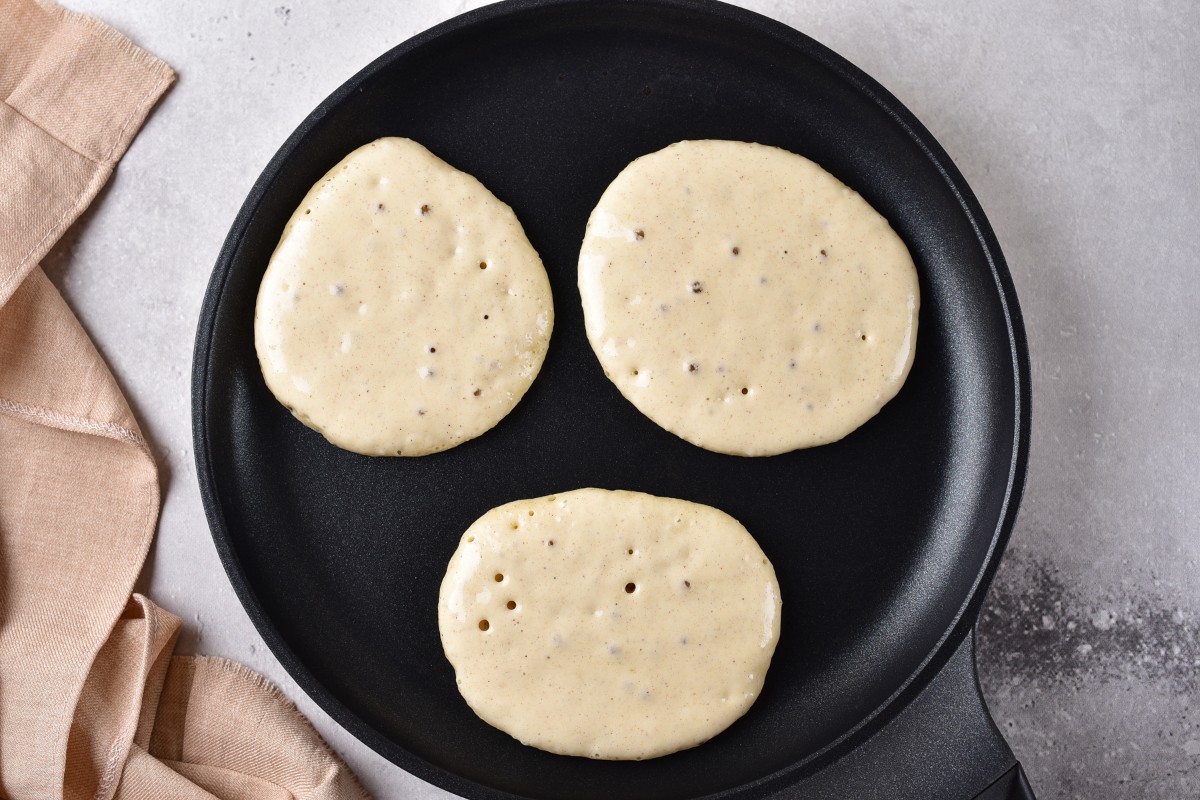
610,625
404,311
745,299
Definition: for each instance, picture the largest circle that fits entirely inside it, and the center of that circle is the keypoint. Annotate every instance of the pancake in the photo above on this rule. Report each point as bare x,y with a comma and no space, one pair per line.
403,311
610,625
746,300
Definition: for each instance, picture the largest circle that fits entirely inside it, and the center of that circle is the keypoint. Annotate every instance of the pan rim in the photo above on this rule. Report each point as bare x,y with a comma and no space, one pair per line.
962,621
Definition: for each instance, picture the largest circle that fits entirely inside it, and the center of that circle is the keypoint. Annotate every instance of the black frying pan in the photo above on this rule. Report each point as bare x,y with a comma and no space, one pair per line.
884,543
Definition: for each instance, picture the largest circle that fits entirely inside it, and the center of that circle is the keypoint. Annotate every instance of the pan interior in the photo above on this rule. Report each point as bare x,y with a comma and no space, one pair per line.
877,540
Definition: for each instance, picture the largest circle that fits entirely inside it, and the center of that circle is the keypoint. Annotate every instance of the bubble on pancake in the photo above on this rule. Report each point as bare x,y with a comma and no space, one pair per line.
676,597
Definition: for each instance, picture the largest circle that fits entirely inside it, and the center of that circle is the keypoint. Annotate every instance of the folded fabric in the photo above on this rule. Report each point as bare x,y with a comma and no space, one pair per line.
92,702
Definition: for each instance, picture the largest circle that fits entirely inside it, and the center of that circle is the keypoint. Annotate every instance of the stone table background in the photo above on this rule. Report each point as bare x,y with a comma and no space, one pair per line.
1078,126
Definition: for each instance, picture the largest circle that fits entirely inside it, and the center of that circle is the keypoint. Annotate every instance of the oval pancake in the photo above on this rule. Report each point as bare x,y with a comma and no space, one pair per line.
404,311
745,299
610,625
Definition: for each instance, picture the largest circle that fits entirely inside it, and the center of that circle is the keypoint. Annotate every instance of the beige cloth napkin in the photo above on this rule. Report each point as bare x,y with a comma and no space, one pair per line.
92,702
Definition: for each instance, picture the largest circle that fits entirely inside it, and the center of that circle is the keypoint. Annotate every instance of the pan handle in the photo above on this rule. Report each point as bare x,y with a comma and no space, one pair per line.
943,745
1012,785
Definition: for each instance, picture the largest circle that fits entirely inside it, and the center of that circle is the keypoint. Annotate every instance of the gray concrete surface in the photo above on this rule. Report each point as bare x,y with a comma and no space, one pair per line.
1077,126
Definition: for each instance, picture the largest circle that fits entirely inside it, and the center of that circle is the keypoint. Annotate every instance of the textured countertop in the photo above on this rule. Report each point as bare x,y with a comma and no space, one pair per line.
1078,127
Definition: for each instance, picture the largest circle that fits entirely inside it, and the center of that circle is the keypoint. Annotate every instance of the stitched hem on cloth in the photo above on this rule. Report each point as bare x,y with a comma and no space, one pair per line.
68,422
118,753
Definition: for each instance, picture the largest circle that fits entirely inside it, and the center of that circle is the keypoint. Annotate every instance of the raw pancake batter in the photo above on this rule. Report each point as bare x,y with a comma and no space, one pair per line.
612,625
404,311
745,299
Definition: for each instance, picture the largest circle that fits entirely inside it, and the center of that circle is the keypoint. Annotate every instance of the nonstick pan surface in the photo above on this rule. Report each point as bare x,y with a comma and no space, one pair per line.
883,543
